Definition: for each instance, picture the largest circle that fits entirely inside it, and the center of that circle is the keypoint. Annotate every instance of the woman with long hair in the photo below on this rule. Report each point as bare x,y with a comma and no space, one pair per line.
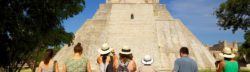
106,58
126,62
47,64
77,63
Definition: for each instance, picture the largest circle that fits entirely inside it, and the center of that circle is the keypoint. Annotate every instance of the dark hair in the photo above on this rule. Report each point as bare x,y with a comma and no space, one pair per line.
227,59
104,57
78,48
184,50
126,57
48,56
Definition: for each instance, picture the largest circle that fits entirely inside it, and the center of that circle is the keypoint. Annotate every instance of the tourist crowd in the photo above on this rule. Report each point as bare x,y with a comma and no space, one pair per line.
109,61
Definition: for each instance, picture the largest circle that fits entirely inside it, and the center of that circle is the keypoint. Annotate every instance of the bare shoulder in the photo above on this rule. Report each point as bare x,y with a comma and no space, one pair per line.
132,62
222,63
41,63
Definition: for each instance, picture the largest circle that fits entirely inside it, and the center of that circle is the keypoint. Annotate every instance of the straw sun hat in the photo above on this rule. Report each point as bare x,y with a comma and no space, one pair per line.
125,50
227,53
147,60
105,49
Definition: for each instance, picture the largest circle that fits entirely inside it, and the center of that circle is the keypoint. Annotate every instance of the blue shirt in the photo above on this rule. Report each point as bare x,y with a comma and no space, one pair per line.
185,64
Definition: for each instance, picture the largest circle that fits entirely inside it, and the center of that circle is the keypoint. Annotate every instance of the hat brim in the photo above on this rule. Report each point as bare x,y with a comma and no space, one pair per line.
149,62
125,52
227,56
104,52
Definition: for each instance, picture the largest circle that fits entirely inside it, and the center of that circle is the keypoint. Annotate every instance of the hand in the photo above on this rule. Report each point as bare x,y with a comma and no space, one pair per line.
99,60
108,59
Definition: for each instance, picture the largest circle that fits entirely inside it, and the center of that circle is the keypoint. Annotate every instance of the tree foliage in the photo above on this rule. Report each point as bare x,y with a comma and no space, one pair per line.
234,14
27,25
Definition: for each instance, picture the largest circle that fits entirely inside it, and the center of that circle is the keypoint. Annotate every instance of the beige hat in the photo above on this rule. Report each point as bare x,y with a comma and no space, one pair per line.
147,59
227,53
125,50
105,49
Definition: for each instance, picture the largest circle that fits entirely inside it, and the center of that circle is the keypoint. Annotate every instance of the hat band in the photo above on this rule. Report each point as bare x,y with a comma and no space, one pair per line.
227,53
147,60
105,49
125,50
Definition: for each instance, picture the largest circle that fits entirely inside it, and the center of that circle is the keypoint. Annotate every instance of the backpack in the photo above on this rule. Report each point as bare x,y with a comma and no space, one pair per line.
123,67
110,65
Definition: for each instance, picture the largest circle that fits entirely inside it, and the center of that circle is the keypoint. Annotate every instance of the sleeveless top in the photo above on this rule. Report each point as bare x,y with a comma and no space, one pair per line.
230,66
49,69
76,65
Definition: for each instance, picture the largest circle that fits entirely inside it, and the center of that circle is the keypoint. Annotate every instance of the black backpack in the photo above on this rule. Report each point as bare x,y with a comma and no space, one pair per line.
110,65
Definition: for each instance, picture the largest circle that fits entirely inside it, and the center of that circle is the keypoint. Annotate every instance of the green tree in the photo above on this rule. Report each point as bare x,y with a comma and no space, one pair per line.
29,25
235,15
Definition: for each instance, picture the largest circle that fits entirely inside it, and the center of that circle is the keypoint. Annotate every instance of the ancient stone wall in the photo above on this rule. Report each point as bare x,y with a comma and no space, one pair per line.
132,1
148,29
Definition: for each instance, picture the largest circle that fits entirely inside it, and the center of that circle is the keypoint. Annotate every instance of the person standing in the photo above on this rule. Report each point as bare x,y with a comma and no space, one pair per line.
147,61
126,62
228,64
47,64
77,63
105,59
185,64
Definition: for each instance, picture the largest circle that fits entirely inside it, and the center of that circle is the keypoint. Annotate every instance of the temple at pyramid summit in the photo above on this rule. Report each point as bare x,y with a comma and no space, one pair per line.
146,26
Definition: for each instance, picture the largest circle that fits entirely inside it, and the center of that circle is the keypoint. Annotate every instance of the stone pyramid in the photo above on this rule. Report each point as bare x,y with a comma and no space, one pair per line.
145,26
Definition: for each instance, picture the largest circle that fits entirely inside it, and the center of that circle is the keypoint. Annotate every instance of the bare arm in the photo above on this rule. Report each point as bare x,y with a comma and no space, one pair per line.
39,68
56,67
132,66
89,67
115,64
99,59
64,68
221,66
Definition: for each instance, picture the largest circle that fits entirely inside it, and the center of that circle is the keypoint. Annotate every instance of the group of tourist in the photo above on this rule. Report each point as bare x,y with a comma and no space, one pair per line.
108,61
227,64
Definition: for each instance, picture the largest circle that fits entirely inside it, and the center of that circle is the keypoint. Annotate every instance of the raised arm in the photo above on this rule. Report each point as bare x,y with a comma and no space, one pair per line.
115,64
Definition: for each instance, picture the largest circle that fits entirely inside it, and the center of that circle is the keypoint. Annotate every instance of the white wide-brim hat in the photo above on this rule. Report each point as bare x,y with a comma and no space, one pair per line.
147,60
227,53
105,49
125,50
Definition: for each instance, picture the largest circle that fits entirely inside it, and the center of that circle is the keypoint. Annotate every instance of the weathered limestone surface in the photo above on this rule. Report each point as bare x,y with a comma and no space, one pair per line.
152,31
132,1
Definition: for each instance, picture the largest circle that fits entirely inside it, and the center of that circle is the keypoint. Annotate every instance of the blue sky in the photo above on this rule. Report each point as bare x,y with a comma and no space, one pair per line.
197,15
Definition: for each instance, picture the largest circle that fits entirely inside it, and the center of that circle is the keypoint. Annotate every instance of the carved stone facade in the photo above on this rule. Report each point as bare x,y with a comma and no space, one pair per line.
147,28
218,48
132,1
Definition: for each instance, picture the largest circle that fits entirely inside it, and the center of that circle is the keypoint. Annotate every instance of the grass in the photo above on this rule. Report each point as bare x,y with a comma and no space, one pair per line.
26,70
207,70
243,69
